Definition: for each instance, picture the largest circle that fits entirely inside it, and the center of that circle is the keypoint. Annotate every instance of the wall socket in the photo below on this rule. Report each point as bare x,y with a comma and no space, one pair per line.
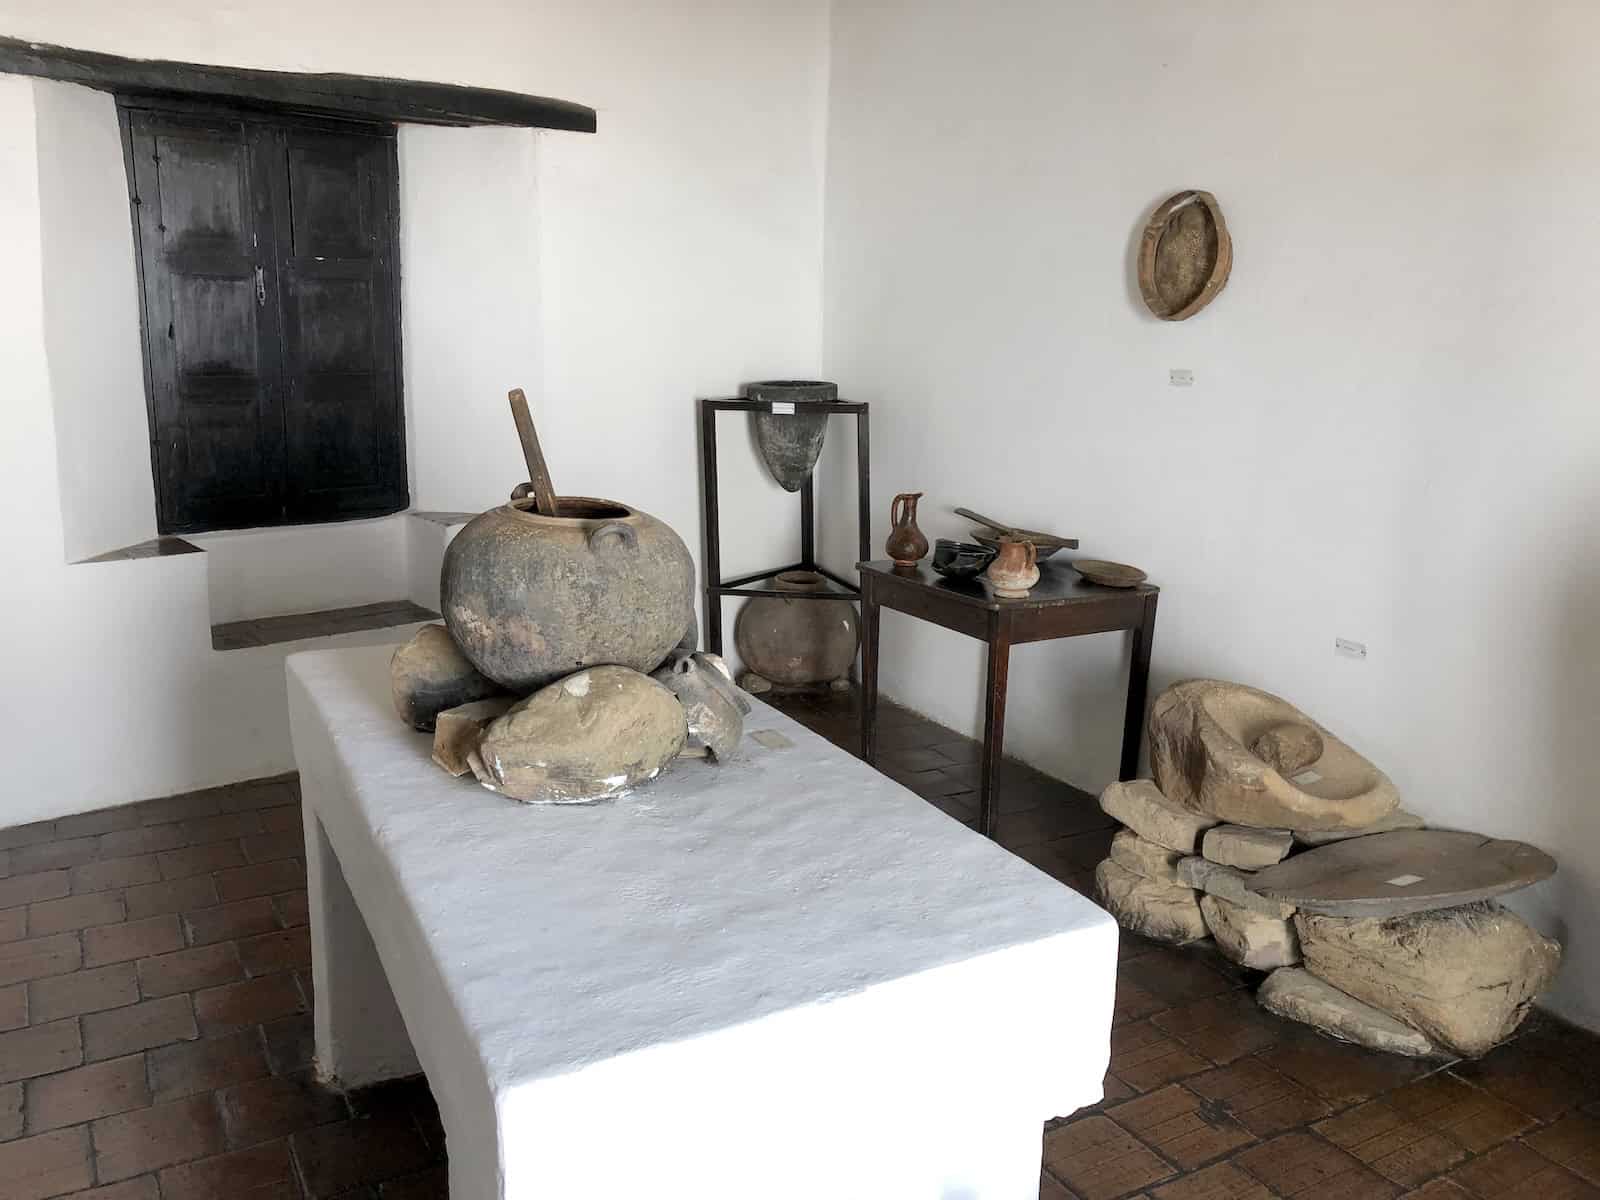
1350,649
1180,377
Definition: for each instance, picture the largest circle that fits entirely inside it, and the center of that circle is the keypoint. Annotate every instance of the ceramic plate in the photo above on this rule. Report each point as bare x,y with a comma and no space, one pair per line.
1110,574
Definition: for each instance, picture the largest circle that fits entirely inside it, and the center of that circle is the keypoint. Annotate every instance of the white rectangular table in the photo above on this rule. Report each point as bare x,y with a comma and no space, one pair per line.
781,976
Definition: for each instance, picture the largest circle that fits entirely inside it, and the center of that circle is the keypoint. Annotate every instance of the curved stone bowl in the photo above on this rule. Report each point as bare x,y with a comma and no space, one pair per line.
1201,731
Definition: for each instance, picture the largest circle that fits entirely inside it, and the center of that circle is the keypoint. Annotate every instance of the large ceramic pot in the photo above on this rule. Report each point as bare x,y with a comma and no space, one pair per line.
796,643
791,443
531,599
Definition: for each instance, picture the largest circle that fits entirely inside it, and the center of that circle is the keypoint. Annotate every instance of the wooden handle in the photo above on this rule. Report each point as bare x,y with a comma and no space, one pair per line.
544,492
983,520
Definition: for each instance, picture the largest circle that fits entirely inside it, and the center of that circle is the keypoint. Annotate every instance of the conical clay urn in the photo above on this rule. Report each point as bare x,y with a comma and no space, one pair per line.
791,443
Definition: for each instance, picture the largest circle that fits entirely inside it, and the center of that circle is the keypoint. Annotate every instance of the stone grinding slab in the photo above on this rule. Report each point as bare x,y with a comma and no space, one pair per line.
786,949
1390,874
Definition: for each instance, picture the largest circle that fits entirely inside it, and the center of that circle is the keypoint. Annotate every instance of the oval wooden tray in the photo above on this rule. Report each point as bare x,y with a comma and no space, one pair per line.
1185,256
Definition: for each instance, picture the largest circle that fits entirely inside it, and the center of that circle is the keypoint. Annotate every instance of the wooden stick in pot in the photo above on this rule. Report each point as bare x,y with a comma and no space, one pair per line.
544,492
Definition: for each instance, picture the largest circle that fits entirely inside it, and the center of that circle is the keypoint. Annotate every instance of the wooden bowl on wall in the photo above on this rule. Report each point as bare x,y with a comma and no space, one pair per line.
1185,256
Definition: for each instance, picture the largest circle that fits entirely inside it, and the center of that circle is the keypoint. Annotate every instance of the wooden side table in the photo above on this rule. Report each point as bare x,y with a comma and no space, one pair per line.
1062,604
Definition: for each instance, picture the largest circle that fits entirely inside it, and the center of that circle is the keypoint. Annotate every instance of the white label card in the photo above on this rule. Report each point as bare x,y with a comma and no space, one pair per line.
783,408
771,739
1403,880
1307,776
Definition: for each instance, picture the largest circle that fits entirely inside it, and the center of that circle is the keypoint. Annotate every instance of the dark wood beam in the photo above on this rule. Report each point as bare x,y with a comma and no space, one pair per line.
363,97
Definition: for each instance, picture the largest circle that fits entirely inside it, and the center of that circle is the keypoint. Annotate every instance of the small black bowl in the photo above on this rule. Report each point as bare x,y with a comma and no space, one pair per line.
960,560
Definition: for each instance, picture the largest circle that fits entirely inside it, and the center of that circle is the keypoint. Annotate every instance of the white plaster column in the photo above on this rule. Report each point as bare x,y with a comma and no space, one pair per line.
361,1036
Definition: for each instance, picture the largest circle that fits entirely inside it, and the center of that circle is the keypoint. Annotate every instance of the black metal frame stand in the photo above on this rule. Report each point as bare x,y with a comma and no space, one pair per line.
716,587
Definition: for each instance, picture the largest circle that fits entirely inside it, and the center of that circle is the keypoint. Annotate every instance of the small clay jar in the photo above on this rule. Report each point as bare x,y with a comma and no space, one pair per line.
906,544
1014,570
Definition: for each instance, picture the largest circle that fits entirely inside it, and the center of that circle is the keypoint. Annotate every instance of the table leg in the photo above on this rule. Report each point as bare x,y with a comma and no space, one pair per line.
869,671
361,1036
994,722
1138,688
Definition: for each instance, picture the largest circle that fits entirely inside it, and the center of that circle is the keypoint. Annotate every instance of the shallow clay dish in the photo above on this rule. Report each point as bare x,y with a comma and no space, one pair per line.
1109,574
1185,256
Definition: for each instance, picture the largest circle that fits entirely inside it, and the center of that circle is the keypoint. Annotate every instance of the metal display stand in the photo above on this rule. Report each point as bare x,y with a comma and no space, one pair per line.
715,586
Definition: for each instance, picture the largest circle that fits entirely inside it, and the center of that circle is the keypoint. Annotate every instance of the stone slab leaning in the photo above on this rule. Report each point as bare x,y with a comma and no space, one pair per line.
1167,912
1139,805
1298,995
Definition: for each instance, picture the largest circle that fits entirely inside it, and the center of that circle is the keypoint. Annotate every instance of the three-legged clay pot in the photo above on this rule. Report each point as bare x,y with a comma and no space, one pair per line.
906,544
1015,569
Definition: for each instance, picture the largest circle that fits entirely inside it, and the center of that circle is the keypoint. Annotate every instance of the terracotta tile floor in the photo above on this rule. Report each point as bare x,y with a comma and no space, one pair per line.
155,1037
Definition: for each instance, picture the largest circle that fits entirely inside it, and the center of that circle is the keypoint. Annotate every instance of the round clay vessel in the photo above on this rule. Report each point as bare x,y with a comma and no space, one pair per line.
795,643
530,598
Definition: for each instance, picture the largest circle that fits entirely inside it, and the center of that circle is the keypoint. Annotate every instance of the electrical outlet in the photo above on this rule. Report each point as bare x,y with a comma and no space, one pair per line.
1350,649
1180,377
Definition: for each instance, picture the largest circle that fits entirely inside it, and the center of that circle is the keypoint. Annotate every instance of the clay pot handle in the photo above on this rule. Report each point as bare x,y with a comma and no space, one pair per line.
522,491
897,509
619,529
1033,553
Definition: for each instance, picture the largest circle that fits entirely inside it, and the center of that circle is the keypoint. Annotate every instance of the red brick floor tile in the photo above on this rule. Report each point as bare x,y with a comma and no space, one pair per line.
336,1158
186,970
178,895
220,828
434,1184
291,1043
29,889
266,998
1466,1115
160,1136
103,820
75,912
200,860
269,847
1145,1058
188,1068
50,1164
1513,1171
1300,1164
1259,1098
256,794
142,1026
51,856
1098,1159
38,958
91,990
1337,1071
286,950
261,879
1224,1027
180,808
13,922
236,1173
282,820
1180,1126
1539,1086
293,908
13,1006
27,835
265,1109
97,1090
11,1101
1220,1181
1439,1189
145,840
131,940
1179,976
1134,1003
1389,1143
1574,1142
39,1050
114,873
142,1188
223,922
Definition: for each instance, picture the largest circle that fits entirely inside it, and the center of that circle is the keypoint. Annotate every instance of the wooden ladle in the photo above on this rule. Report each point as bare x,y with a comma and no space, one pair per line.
1043,541
544,492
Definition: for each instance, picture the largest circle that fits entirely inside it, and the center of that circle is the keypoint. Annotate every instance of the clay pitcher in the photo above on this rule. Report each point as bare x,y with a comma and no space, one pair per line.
1015,569
906,544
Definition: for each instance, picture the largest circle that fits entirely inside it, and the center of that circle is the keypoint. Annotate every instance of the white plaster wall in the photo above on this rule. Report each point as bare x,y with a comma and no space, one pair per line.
91,304
305,568
1392,435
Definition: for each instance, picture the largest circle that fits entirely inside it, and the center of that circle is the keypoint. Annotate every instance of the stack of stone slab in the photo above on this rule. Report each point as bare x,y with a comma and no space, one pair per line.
1267,833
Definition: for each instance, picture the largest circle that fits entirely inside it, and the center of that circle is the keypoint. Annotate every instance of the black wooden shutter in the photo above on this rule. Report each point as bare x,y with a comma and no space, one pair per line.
334,210
211,338
270,280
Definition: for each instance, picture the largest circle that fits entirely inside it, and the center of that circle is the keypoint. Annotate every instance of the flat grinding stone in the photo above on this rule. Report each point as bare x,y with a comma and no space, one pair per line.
785,948
1389,874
